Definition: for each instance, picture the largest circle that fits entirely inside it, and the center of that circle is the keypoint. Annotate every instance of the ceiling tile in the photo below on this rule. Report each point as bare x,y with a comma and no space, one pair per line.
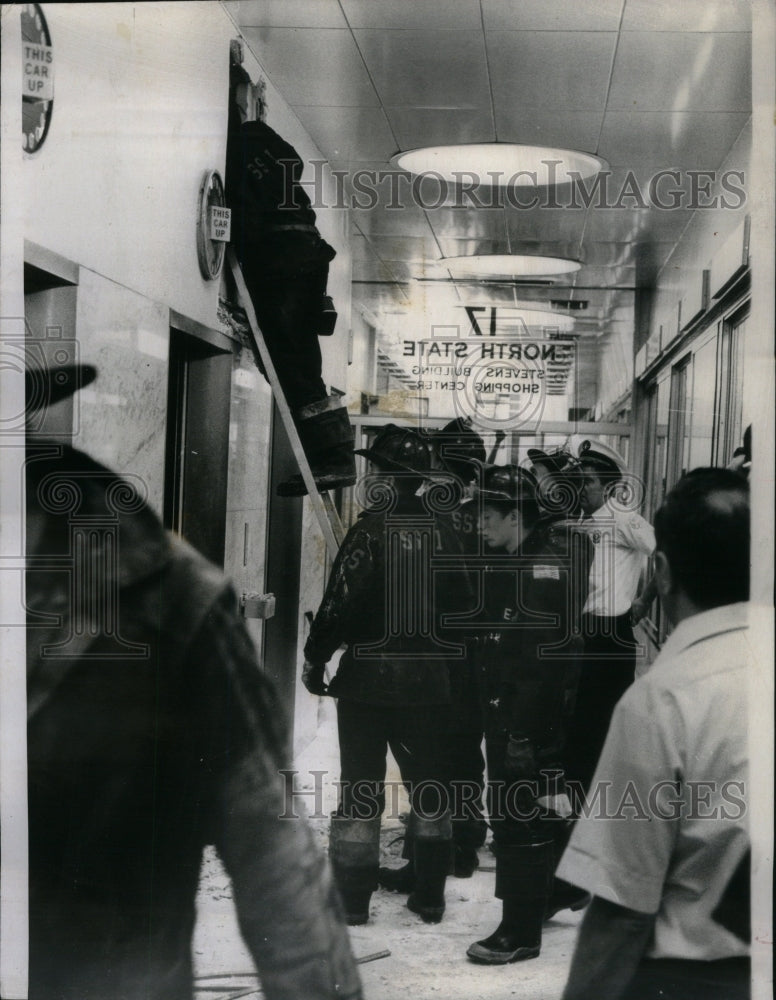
482,224
427,69
558,70
690,140
673,71
627,225
560,225
439,127
566,129
408,248
452,247
418,14
689,15
405,221
551,15
287,13
360,247
312,66
605,277
348,134
372,270
611,254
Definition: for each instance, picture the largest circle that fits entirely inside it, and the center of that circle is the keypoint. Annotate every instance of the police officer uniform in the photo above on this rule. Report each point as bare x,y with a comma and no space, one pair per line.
386,602
622,540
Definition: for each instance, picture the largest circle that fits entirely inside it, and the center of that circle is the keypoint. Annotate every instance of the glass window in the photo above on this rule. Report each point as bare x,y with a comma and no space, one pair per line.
678,422
731,374
704,368
660,466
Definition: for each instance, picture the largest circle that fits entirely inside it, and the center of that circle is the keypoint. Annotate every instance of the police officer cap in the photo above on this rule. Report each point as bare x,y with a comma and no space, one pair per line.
601,455
507,483
400,449
458,446
45,386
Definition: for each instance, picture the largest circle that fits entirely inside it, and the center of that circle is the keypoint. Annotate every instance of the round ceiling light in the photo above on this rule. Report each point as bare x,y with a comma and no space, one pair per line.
508,266
500,163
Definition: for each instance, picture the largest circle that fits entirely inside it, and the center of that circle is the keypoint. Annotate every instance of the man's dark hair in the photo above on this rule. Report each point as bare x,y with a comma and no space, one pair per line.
526,507
702,528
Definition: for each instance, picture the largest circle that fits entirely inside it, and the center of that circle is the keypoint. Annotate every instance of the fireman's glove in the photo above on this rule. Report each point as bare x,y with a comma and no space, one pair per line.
520,762
312,678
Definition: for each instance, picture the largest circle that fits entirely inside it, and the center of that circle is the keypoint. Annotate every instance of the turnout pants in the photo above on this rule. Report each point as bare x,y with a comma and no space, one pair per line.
288,307
415,735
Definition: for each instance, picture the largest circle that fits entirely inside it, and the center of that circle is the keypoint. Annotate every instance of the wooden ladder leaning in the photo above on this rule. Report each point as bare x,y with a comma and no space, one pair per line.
323,507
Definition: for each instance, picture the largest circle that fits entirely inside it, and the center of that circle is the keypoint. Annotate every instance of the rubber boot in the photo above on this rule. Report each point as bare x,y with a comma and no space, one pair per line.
432,847
354,850
432,862
522,884
468,834
400,879
465,861
327,439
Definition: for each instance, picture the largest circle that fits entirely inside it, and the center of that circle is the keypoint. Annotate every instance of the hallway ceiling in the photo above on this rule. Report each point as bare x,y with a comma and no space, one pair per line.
647,85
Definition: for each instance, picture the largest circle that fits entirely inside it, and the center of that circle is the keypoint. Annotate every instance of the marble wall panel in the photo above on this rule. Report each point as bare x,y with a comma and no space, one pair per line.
315,565
246,505
123,413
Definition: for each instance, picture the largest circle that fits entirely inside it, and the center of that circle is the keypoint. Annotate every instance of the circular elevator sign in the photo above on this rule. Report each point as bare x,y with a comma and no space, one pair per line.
213,225
37,78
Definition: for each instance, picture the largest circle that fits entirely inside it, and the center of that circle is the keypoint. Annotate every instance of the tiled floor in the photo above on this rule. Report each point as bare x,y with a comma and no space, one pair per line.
425,961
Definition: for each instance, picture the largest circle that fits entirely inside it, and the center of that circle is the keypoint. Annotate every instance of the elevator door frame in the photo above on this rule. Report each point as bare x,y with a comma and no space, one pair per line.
197,449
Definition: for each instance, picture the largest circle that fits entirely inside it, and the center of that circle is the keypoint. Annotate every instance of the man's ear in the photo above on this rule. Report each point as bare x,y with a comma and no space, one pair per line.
663,576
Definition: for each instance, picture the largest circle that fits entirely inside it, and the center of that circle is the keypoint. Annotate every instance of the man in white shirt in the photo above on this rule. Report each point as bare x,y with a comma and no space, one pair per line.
664,847
622,542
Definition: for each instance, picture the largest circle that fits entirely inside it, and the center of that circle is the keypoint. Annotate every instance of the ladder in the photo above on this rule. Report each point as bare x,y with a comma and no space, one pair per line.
323,507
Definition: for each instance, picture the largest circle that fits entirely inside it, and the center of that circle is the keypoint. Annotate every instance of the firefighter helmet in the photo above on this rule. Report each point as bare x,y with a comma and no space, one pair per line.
555,462
507,483
459,448
400,449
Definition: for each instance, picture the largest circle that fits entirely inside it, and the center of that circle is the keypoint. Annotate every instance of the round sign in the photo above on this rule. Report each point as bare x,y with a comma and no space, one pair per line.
37,78
210,252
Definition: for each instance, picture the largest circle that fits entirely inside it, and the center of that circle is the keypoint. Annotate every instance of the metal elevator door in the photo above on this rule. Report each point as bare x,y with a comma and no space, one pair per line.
197,449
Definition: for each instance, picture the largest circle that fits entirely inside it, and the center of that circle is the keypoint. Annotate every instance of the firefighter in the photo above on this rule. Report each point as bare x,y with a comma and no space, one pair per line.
385,601
529,660
459,453
285,263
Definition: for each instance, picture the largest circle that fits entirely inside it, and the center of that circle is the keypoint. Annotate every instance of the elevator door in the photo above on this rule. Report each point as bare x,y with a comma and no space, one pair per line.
197,450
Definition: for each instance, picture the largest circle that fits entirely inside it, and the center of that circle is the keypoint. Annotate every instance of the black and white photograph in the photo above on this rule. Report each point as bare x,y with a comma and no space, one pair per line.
387,499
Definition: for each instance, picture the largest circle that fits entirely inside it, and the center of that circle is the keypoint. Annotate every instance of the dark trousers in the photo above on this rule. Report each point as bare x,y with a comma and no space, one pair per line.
416,737
514,816
682,979
288,307
608,667
465,763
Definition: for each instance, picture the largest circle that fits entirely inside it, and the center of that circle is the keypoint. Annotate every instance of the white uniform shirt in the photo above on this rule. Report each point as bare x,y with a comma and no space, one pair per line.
674,772
622,540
